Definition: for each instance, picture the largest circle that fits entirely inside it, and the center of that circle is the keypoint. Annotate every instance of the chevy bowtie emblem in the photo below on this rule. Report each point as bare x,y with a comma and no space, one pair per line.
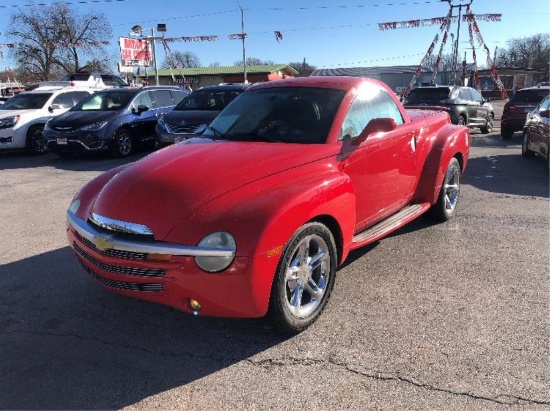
102,244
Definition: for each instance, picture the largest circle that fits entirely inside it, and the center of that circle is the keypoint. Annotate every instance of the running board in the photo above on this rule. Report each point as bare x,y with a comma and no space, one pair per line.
390,224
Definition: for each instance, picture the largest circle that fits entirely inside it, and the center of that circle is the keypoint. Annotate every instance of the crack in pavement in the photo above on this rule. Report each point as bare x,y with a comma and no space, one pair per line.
504,399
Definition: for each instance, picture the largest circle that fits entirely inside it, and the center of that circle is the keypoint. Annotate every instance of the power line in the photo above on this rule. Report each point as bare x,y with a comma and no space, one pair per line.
65,2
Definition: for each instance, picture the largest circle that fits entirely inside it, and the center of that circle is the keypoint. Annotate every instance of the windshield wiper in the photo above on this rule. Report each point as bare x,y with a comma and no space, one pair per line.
252,136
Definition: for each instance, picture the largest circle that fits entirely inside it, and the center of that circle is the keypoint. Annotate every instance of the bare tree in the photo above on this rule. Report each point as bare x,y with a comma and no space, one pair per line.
54,39
179,59
530,52
303,68
253,61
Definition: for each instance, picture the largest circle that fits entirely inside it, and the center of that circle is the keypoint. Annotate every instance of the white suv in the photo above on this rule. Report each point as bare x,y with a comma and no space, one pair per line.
22,117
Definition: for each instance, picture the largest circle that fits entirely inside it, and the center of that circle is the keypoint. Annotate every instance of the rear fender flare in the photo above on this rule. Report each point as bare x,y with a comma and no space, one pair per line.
450,141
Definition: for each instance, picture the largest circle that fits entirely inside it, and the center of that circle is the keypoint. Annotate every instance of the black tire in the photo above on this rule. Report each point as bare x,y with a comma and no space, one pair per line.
35,142
445,207
525,151
506,133
461,120
304,279
488,127
123,143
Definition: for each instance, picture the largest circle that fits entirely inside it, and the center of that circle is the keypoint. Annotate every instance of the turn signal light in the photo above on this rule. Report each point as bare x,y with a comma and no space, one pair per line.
195,306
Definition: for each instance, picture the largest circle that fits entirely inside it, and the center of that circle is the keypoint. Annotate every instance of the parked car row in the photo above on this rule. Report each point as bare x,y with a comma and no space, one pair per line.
516,109
86,113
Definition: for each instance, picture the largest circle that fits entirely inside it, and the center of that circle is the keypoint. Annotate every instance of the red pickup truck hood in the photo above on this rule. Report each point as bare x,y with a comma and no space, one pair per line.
167,185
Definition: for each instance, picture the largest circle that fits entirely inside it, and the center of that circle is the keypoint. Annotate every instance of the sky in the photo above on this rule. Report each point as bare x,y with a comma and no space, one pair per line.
326,33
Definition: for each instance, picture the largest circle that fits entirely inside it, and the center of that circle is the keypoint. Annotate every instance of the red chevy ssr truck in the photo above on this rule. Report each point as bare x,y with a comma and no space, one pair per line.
253,217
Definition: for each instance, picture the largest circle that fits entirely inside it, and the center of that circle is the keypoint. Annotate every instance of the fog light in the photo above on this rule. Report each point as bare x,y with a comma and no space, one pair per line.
195,306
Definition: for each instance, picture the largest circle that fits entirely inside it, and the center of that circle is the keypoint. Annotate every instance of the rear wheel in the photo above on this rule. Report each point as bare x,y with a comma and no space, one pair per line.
35,140
525,151
304,279
506,133
445,207
123,143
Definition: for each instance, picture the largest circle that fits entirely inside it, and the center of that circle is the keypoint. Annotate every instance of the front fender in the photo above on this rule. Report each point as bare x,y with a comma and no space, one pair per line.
450,141
264,215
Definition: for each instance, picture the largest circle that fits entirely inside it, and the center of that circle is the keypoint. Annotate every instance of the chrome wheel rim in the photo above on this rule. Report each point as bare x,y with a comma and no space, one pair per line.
307,276
461,121
451,188
124,143
489,124
37,142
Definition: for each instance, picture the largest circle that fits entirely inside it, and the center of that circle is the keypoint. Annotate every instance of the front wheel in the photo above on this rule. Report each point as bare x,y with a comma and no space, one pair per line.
445,207
461,121
123,144
525,151
35,140
304,279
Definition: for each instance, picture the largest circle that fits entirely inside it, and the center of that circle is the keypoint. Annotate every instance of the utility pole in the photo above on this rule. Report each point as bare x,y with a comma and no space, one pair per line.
243,35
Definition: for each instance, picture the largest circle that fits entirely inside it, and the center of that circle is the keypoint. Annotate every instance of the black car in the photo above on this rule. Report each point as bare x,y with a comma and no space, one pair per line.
198,108
115,119
465,105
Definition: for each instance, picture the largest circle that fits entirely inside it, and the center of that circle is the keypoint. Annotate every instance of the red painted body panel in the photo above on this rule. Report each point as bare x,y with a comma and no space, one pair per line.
262,193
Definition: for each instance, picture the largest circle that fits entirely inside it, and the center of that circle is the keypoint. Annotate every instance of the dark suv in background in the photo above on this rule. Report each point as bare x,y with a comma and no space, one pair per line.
465,105
114,119
515,111
198,108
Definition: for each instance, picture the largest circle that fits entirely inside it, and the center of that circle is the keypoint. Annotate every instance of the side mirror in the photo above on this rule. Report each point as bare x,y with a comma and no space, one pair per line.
140,109
54,107
378,125
544,113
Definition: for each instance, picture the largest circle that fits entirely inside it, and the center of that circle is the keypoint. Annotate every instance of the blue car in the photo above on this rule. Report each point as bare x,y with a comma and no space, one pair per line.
113,120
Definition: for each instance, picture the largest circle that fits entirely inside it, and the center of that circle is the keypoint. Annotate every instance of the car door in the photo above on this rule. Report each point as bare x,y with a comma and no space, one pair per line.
540,127
465,99
382,166
482,112
144,115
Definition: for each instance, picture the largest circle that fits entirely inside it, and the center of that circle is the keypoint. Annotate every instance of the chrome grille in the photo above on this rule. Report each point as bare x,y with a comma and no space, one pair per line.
179,129
65,129
129,255
122,285
141,272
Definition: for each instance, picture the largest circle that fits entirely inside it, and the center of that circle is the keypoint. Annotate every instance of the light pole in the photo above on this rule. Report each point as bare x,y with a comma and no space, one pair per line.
137,29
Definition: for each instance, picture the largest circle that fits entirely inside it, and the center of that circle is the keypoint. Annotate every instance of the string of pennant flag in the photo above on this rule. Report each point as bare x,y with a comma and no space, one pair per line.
468,17
239,36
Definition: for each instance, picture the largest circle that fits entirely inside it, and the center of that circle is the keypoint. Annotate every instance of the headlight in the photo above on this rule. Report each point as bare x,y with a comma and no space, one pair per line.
94,126
9,121
73,208
218,241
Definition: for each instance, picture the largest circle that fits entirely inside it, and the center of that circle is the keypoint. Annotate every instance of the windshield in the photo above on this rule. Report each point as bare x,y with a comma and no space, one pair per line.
530,96
428,94
75,77
214,99
286,115
25,101
111,101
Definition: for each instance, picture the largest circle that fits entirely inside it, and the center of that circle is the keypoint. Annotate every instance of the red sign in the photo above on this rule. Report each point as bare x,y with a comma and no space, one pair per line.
135,52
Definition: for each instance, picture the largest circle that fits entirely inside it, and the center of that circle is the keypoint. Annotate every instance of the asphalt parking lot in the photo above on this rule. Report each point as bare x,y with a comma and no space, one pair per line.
434,317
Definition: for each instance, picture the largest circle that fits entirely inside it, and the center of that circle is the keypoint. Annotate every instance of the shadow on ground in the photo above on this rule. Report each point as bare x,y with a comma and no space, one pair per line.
68,344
